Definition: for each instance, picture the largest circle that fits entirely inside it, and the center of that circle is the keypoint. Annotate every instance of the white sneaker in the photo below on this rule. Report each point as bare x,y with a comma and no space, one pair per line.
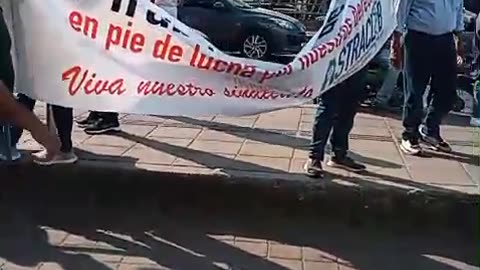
411,147
16,155
61,158
475,122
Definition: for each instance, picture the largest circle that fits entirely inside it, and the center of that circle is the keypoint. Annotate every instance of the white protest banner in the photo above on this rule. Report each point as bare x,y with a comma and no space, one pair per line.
131,56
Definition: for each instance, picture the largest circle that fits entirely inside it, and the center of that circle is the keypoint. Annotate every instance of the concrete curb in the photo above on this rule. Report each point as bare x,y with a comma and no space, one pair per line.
84,185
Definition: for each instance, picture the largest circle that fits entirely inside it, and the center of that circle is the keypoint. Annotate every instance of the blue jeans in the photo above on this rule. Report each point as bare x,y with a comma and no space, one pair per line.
335,114
385,93
428,59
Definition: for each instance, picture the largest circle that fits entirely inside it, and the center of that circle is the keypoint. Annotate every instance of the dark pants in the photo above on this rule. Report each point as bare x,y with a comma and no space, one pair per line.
109,117
335,114
7,75
63,118
428,59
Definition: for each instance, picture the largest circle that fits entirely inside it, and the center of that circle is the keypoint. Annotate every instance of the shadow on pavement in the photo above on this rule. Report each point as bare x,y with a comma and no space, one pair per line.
274,138
185,240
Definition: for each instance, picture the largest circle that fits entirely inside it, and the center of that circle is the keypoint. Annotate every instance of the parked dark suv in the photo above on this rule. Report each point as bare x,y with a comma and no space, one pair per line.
238,28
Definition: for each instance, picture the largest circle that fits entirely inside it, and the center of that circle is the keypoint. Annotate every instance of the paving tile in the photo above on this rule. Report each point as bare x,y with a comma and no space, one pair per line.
142,119
438,171
305,126
309,109
265,150
137,130
235,122
316,255
141,267
458,135
277,124
206,160
172,141
79,138
264,163
380,154
281,120
222,136
297,165
347,267
51,266
249,239
138,260
107,256
11,266
56,237
109,140
288,264
321,266
231,148
101,152
174,132
371,131
222,237
78,241
285,252
146,154
257,249
367,121
300,154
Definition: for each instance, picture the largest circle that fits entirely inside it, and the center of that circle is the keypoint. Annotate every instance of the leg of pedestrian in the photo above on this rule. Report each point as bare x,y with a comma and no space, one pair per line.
322,126
444,86
347,109
63,118
417,73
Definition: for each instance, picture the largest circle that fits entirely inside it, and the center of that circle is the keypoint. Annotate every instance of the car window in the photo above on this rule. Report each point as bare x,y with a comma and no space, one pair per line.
199,3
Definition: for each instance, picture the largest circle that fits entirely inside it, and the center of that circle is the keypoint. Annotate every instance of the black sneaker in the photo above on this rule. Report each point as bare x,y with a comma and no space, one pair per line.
90,120
313,168
101,126
346,163
434,143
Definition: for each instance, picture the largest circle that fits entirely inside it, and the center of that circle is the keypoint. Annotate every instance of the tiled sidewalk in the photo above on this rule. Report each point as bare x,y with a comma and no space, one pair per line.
274,146
54,239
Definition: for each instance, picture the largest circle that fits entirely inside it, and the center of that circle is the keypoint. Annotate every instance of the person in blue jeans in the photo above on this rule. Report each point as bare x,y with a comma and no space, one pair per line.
385,93
428,54
334,119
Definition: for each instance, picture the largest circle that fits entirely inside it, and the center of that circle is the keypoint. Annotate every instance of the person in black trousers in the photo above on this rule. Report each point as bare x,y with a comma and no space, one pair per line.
334,119
100,123
424,46
63,118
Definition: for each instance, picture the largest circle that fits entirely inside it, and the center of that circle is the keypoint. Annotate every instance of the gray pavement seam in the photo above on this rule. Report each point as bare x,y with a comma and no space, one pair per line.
397,146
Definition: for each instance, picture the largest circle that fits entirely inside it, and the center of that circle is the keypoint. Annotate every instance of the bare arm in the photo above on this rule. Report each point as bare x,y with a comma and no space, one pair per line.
13,112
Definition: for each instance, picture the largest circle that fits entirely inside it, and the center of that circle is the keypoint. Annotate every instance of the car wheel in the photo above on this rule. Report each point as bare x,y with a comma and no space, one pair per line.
255,46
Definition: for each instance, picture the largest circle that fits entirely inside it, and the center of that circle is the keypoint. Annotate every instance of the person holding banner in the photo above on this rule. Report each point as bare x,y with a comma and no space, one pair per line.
10,110
104,122
335,115
428,54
